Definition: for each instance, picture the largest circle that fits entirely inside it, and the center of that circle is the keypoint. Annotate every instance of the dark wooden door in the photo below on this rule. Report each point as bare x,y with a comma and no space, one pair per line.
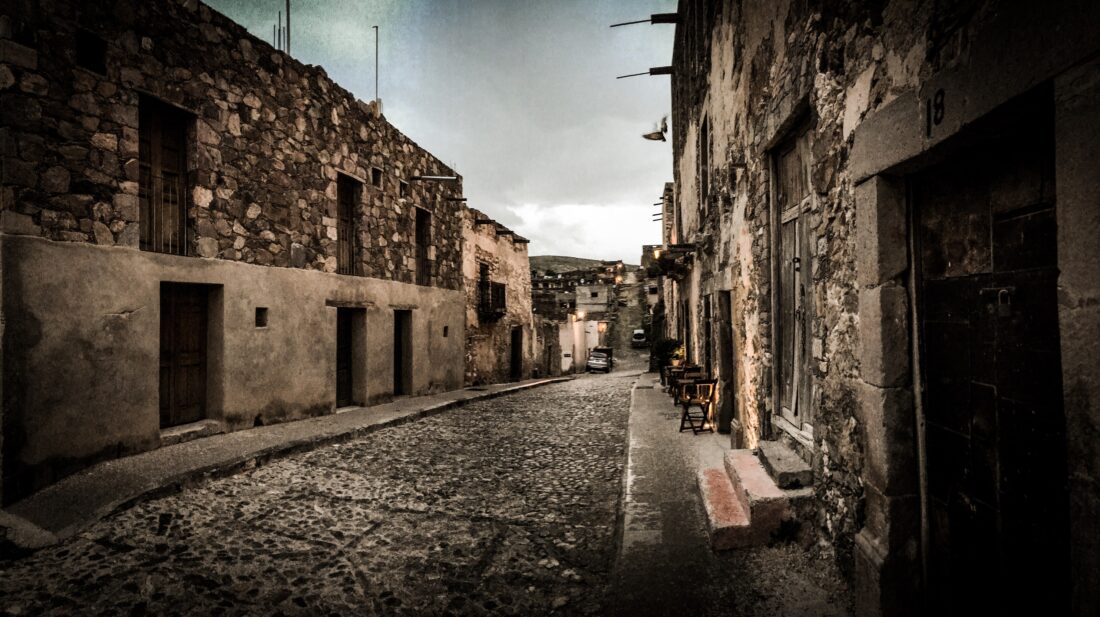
347,199
517,354
182,353
162,190
794,313
997,505
402,352
343,357
727,379
423,244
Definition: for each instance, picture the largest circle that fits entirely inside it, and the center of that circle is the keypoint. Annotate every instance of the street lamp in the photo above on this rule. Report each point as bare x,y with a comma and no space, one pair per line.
580,315
602,327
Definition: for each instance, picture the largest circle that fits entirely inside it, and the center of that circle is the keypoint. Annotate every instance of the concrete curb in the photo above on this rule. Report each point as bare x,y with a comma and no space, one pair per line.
61,511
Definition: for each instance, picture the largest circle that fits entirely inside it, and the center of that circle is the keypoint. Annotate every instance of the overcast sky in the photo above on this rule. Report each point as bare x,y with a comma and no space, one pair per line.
520,96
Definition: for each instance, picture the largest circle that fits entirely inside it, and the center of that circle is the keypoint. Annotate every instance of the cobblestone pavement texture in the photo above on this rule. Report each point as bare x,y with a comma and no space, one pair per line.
501,507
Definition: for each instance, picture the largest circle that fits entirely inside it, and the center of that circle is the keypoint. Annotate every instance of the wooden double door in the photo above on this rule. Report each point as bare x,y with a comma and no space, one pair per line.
183,348
996,488
794,313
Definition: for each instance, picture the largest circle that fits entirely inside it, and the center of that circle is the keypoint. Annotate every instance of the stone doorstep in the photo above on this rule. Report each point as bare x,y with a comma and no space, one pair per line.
744,506
785,466
188,432
727,522
766,503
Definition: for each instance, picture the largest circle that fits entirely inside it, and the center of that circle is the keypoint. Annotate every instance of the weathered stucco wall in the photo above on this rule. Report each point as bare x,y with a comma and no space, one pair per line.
81,351
489,340
267,138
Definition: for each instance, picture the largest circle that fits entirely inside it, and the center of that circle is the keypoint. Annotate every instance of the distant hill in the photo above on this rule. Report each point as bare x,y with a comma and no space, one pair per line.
561,263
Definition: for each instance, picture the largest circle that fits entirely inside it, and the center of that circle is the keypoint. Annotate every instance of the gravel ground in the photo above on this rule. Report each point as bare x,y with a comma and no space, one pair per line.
505,507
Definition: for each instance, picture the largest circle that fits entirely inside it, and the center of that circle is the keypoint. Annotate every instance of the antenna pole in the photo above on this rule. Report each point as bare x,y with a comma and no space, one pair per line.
288,27
375,62
280,44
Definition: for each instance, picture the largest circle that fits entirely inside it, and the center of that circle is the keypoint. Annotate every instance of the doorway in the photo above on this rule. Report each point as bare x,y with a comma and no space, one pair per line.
402,352
793,201
995,492
350,353
727,384
516,372
183,331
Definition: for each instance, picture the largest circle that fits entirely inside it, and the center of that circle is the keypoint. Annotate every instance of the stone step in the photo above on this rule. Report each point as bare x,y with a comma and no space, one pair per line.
766,504
784,465
727,521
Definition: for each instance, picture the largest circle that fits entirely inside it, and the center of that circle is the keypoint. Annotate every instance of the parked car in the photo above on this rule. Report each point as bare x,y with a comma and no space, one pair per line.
638,339
599,359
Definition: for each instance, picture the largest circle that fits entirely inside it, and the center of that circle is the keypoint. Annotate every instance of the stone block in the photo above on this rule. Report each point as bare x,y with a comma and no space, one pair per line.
18,224
890,441
784,465
884,335
18,55
881,251
886,584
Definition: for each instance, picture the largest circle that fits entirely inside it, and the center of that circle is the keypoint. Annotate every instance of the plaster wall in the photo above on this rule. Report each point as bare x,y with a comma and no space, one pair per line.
81,348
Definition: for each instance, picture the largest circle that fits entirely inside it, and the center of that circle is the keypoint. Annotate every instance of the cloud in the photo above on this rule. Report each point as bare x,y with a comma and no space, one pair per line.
604,231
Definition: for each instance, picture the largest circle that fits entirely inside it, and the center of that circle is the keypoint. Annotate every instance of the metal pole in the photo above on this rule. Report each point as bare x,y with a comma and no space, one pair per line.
280,44
376,63
287,26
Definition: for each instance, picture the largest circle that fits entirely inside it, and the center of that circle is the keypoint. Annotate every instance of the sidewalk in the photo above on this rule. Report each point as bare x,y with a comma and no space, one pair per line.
665,564
65,508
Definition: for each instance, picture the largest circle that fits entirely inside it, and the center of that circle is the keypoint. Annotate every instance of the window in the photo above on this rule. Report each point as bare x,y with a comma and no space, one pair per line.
347,199
653,290
595,294
376,177
162,190
423,243
446,330
91,52
261,316
403,189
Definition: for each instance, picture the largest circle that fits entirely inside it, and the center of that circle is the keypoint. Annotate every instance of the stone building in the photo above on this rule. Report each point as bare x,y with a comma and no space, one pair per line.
881,240
502,341
201,234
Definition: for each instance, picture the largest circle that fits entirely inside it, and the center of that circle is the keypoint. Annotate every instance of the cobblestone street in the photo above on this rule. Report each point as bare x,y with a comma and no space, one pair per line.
506,506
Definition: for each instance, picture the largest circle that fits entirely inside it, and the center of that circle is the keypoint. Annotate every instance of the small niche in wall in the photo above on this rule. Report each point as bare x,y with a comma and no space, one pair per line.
403,189
446,331
261,316
91,52
376,177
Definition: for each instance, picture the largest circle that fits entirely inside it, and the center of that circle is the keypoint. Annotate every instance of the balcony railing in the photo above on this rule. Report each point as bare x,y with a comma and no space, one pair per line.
490,303
163,213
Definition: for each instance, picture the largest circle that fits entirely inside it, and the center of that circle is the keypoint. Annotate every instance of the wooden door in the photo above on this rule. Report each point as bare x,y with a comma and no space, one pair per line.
183,322
996,495
343,357
726,368
162,190
347,199
794,313
517,354
402,352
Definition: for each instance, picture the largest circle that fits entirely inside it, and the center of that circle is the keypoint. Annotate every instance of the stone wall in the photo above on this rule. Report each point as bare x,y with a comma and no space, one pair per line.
489,339
862,79
267,139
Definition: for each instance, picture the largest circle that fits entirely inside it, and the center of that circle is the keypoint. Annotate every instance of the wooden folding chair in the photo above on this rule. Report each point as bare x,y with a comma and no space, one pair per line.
700,394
